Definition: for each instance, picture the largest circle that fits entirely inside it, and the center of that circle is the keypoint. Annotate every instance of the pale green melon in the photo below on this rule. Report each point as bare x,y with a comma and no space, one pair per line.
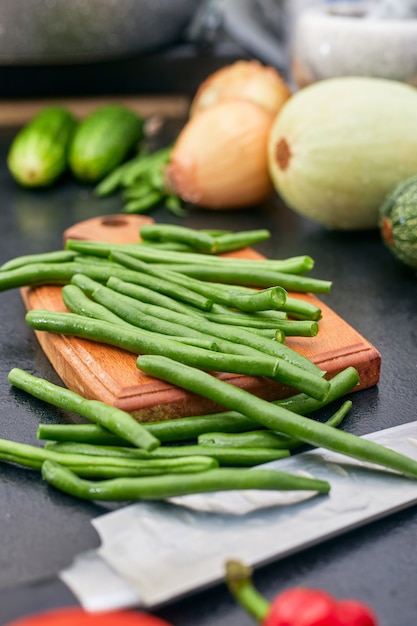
339,146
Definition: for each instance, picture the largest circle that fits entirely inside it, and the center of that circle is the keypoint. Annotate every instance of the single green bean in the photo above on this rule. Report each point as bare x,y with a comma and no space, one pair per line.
77,302
188,428
242,319
303,328
256,277
116,421
265,438
275,417
161,487
230,242
136,191
95,466
225,456
175,205
149,254
150,296
140,205
167,245
301,309
58,256
141,341
197,239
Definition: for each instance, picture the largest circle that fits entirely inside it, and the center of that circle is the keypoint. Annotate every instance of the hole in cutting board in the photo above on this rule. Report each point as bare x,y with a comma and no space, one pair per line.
113,221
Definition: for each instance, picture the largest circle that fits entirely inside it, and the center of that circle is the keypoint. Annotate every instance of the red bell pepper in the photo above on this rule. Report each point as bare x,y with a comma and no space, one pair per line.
75,616
295,607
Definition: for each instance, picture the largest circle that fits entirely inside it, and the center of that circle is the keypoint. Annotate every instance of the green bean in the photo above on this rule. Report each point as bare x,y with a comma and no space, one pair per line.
250,301
59,256
175,206
150,296
303,328
164,322
175,325
187,428
275,417
36,274
161,487
295,265
141,341
77,302
61,273
197,239
112,181
144,166
236,241
250,439
116,421
156,283
167,245
140,205
95,466
255,277
301,309
232,456
298,328
265,438
249,339
242,319
148,254
136,191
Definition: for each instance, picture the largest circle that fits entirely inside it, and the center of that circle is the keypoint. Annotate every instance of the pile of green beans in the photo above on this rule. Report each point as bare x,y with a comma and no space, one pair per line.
122,468
120,295
192,316
142,185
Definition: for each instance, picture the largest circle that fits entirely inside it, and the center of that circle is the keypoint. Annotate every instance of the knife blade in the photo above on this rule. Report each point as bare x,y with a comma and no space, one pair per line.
158,551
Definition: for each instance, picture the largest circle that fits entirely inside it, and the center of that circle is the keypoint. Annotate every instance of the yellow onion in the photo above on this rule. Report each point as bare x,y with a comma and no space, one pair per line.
242,80
220,160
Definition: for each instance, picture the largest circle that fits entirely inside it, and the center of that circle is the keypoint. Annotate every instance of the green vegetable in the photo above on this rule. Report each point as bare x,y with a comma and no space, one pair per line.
275,417
103,140
184,428
141,341
38,153
224,455
159,487
264,438
105,466
398,222
116,421
340,145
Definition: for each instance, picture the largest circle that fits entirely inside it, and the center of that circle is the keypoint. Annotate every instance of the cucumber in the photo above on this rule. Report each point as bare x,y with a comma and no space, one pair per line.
38,153
103,140
398,221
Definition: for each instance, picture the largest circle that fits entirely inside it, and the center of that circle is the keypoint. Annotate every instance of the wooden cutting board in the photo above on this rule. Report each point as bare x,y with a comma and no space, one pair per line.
110,374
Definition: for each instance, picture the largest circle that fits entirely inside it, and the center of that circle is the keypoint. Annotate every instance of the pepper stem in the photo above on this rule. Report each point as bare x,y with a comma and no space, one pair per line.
239,581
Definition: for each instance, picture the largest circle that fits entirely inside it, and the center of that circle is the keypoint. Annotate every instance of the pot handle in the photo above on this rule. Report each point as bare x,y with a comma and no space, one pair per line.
241,21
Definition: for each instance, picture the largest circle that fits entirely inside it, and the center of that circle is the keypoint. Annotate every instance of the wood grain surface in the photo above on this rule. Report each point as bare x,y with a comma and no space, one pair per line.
110,374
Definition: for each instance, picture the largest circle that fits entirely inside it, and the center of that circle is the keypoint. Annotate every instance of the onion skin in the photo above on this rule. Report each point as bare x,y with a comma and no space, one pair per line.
219,160
243,80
